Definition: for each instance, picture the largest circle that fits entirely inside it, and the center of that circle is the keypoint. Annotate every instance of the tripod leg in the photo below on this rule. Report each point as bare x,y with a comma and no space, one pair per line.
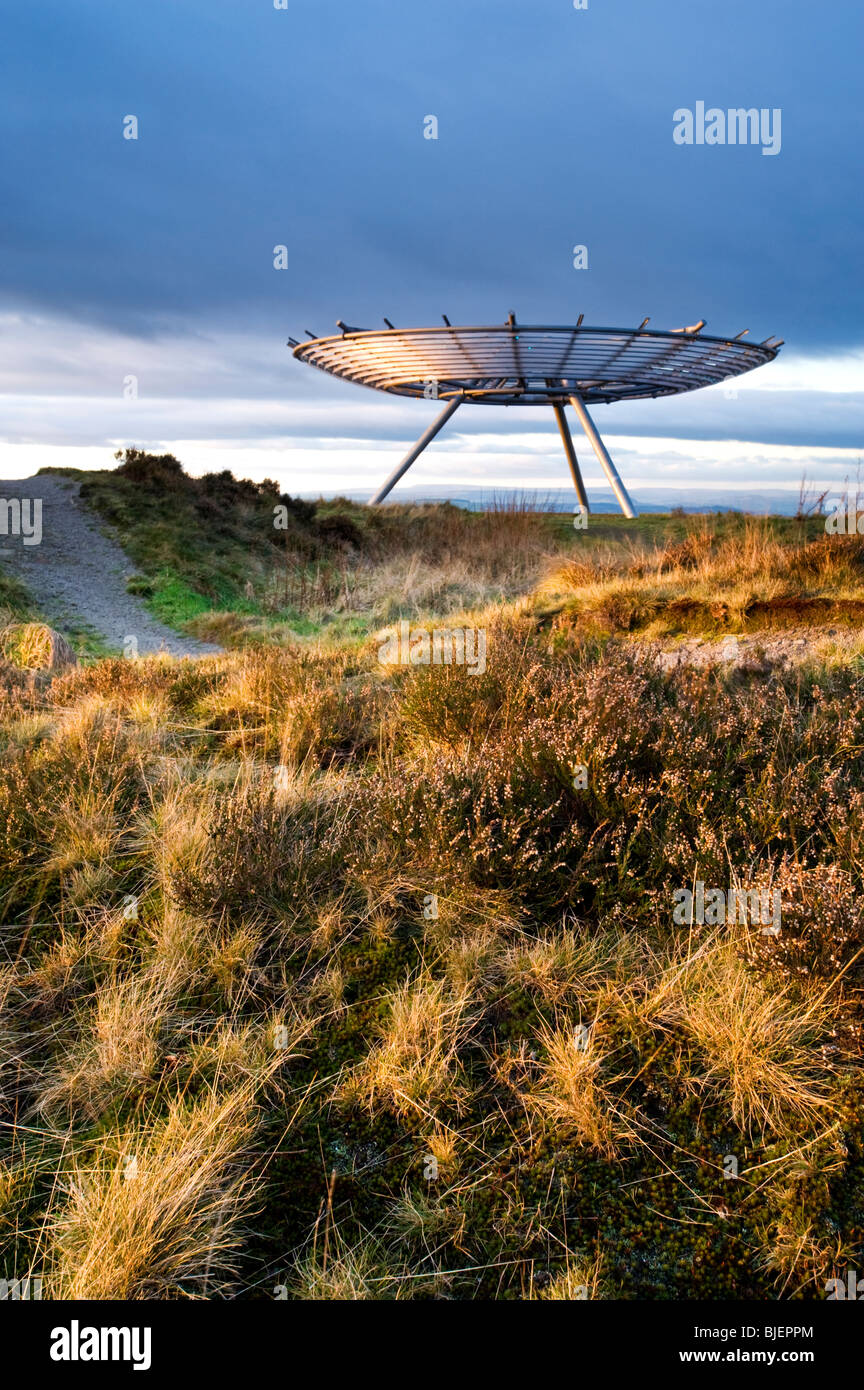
415,452
567,441
599,447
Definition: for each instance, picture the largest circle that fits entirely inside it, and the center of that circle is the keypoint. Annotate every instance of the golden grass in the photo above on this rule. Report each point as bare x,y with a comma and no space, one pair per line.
414,1067
573,1091
165,1225
117,1050
570,963
581,1280
755,1045
759,574
278,819
339,1271
36,646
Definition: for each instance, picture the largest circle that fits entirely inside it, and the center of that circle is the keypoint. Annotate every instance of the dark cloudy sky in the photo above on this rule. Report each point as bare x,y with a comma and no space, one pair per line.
304,127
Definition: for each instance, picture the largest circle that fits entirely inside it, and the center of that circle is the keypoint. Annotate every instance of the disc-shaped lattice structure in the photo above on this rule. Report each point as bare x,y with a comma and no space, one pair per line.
528,364
510,364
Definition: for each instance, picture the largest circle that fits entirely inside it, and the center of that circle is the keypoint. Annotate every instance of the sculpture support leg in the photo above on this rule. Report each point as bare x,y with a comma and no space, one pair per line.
567,441
415,452
599,447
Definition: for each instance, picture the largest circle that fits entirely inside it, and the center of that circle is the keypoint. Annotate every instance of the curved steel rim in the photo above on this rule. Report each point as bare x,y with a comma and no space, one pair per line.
528,364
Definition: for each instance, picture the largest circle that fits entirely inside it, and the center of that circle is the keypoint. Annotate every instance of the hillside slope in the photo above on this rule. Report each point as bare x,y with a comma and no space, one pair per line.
77,575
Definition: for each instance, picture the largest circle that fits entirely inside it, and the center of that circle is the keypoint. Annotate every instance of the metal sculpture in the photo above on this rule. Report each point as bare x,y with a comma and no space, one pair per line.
530,364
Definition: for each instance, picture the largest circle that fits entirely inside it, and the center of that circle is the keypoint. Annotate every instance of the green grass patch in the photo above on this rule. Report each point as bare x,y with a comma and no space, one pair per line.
198,543
15,602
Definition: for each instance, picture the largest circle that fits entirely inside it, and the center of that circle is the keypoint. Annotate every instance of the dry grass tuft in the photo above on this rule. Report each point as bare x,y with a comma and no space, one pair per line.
573,1092
581,1280
166,1224
568,963
756,1044
414,1068
36,646
117,1050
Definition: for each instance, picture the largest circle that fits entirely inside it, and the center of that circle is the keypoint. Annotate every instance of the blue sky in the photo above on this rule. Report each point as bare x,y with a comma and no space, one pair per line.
303,127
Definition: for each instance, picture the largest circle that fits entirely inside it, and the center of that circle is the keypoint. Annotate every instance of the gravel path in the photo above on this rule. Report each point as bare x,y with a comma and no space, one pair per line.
76,574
